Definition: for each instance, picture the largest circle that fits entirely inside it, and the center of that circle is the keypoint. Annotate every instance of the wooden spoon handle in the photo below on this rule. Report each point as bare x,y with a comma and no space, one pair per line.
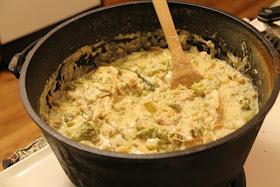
168,28
183,71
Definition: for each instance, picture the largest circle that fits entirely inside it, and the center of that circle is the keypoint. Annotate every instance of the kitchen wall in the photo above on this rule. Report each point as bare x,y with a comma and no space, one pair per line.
24,21
21,17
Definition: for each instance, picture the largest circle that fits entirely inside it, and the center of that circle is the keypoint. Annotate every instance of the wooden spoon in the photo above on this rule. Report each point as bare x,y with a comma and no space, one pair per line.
183,71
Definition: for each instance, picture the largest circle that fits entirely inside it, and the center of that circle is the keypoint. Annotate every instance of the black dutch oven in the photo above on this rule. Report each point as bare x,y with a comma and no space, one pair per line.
213,164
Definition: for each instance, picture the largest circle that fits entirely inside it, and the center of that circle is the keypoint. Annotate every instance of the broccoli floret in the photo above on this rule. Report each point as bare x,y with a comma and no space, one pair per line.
86,131
147,133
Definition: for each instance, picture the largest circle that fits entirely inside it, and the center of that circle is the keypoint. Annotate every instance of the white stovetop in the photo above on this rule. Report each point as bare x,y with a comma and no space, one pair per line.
262,167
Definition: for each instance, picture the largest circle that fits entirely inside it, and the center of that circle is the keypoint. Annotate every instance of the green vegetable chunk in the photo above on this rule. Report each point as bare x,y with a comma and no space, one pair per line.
176,107
199,88
151,107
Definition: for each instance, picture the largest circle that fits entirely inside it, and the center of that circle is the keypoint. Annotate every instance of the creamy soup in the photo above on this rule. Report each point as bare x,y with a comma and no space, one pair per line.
127,105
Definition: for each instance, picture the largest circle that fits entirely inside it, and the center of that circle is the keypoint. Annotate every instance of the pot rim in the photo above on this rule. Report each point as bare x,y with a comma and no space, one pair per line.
230,137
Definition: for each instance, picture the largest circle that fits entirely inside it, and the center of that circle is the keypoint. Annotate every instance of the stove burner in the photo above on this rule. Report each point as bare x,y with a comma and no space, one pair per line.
239,181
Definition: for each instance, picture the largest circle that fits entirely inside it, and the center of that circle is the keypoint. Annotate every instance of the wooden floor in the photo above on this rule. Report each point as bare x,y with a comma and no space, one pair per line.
16,127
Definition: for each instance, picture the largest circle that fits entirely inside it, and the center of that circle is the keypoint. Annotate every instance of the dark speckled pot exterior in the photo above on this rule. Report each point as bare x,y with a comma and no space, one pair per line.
213,164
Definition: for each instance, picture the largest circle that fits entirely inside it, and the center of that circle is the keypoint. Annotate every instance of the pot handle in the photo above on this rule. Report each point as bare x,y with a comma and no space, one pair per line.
17,61
269,14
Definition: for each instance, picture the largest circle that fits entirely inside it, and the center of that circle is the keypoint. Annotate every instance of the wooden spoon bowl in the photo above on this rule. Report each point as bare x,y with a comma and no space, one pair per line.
183,71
